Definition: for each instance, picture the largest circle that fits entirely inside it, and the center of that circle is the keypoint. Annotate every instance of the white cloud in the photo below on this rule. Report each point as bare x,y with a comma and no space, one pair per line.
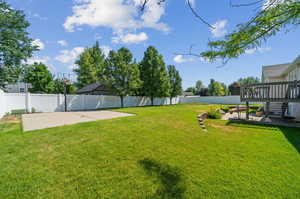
62,42
260,50
39,17
44,59
39,44
219,29
105,49
180,59
36,15
130,38
69,56
120,15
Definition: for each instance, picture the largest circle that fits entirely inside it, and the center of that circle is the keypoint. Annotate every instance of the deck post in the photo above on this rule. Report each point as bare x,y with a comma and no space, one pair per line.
267,108
247,111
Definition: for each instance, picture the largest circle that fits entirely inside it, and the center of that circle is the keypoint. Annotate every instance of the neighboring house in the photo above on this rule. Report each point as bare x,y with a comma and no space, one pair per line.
280,89
186,94
19,87
95,89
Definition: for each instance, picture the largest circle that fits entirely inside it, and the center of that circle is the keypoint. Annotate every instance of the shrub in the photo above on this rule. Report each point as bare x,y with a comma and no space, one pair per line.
18,111
225,109
214,114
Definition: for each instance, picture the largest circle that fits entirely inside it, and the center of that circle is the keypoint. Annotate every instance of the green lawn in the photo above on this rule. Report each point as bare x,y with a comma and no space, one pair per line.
159,153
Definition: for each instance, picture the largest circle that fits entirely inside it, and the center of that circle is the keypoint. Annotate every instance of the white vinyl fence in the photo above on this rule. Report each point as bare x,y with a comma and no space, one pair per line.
234,99
56,102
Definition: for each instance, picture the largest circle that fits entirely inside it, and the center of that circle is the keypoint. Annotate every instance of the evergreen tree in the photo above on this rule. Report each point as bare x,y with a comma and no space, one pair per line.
175,82
91,66
154,75
199,86
122,73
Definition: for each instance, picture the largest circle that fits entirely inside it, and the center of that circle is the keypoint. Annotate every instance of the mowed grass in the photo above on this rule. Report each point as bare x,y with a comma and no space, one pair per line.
159,153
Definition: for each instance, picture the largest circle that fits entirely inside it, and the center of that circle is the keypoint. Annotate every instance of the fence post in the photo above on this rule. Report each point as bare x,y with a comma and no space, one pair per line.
60,102
28,102
2,104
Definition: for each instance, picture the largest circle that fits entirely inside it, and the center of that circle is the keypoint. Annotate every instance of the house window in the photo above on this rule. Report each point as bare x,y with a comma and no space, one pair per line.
22,90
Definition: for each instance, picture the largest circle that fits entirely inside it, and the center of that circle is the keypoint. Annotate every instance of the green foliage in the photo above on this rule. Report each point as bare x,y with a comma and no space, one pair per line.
248,80
15,44
175,82
191,89
235,88
278,15
91,66
225,109
199,86
216,88
122,73
39,77
58,86
214,114
154,75
18,111
33,110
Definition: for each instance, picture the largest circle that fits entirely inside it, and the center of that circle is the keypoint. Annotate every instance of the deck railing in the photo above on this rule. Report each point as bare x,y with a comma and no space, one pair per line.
288,91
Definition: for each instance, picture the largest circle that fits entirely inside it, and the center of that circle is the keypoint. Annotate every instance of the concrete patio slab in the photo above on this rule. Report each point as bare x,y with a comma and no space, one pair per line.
47,120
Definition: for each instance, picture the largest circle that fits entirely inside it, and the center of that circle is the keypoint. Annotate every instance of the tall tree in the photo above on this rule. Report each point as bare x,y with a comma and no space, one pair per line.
39,77
235,88
191,89
216,88
91,66
58,87
175,82
199,86
154,75
122,73
15,44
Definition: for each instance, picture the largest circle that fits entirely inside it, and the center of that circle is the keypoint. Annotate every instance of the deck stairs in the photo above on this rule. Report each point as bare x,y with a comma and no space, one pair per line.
278,108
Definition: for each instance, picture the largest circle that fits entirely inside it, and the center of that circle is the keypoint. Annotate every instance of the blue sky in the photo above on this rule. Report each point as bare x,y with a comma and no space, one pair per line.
64,28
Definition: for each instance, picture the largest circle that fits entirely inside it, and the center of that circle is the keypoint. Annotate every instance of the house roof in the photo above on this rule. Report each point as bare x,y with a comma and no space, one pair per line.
89,88
293,65
275,70
280,70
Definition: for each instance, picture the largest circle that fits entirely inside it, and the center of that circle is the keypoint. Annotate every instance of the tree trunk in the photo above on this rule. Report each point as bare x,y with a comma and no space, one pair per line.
122,101
170,100
152,101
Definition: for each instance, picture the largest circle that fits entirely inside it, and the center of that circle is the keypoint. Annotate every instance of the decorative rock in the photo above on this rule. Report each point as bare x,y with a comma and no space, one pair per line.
201,118
221,111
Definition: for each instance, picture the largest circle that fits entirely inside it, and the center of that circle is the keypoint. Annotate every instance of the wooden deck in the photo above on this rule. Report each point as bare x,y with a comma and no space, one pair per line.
288,91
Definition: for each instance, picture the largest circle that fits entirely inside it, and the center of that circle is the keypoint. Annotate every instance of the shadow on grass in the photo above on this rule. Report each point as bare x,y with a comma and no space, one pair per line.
171,182
290,133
